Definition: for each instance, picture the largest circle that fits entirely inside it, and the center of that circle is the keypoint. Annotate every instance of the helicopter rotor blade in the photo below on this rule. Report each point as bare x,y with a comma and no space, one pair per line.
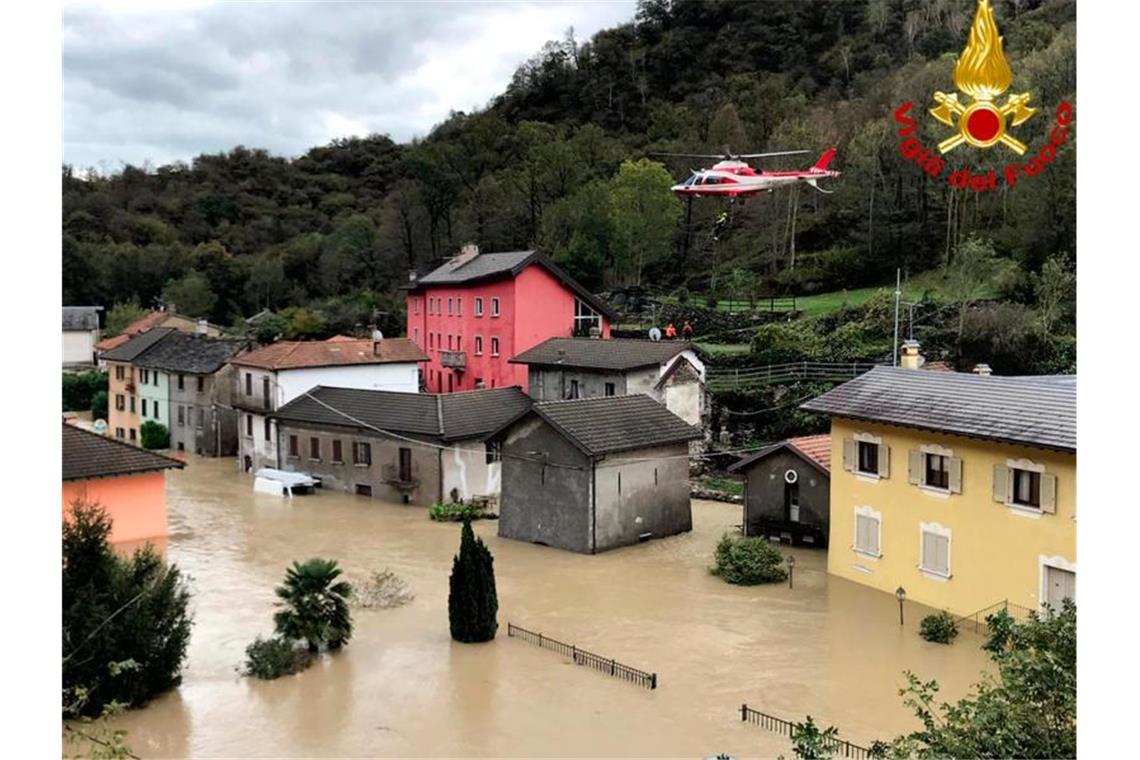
775,153
692,155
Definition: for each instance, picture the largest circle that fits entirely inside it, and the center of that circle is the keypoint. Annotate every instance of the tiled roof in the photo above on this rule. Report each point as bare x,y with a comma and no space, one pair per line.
192,354
493,266
135,346
113,342
591,353
609,424
813,449
448,417
1034,410
80,317
146,322
292,354
90,455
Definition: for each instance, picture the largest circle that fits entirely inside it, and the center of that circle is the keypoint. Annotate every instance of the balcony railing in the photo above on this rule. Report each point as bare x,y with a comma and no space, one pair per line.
453,359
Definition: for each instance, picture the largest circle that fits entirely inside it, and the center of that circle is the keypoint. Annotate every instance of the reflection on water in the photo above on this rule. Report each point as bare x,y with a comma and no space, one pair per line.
402,687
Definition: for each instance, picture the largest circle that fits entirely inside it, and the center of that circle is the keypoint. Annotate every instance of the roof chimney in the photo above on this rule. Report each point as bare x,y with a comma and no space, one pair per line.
377,338
911,358
983,370
202,328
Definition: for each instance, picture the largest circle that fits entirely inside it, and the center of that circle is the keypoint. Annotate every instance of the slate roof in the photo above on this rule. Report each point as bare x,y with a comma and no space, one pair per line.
610,424
80,318
294,354
191,354
1036,411
447,417
138,344
494,266
813,449
90,455
590,353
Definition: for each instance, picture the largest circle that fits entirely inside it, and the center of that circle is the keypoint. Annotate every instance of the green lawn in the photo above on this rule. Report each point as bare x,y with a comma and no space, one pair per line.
725,349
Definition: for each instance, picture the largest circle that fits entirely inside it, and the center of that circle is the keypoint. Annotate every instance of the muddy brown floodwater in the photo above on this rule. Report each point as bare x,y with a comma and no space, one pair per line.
402,687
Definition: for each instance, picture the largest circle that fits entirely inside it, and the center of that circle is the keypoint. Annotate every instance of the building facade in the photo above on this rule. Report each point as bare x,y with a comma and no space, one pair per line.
787,490
475,312
958,488
270,377
671,372
589,475
411,448
124,384
80,334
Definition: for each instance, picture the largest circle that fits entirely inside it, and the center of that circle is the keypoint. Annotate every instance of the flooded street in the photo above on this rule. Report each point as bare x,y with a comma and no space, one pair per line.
402,687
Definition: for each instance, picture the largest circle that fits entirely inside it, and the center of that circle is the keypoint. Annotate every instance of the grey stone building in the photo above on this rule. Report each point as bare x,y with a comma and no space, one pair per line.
412,448
671,372
787,490
589,475
202,417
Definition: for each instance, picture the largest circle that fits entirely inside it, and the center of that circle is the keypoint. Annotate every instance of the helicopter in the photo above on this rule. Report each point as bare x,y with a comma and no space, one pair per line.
732,177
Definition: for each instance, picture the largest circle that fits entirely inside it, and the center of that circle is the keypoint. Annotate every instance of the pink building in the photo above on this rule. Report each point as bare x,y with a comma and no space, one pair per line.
475,312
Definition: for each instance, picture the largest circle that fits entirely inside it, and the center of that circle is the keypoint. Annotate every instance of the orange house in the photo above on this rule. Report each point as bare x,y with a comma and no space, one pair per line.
128,482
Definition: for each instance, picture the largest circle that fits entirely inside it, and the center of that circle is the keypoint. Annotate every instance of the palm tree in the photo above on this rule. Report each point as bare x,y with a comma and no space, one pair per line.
314,605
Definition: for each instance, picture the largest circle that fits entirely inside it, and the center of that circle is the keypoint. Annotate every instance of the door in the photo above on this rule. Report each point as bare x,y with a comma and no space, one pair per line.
1059,584
792,502
405,465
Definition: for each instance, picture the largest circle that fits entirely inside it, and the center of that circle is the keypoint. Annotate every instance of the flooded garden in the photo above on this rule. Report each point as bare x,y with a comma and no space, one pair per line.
826,647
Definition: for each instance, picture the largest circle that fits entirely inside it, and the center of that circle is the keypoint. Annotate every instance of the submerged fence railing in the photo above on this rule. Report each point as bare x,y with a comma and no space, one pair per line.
838,747
977,620
584,657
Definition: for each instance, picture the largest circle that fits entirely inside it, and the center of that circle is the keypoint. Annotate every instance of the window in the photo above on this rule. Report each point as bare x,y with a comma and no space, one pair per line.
248,384
120,402
865,454
249,425
132,404
181,446
1026,488
144,376
315,448
936,468
868,530
450,382
494,346
478,345
416,305
458,342
294,446
937,471
201,417
573,389
935,547
201,384
134,434
450,307
431,340
120,373
416,334
144,407
494,307
181,417
585,318
479,384
459,306
155,376
430,305
868,457
181,382
494,451
610,390
265,390
120,433
479,306
266,432
405,465
448,342
363,489
337,453
361,453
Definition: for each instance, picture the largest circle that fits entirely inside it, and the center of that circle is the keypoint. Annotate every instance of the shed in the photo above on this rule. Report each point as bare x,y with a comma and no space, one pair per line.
787,490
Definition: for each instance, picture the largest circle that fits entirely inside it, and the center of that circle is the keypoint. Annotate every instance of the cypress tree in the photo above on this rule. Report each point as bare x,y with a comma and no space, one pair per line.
472,604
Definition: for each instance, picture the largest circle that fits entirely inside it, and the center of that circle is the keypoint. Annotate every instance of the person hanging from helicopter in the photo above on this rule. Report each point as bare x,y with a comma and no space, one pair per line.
687,331
719,225
670,332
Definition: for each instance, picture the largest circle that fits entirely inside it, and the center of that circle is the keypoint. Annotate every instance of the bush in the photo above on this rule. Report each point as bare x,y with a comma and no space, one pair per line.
79,389
154,435
118,610
384,589
272,658
472,601
452,511
940,628
748,561
99,405
781,342
314,605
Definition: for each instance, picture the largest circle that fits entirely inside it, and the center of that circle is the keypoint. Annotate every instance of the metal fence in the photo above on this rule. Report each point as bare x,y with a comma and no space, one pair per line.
733,378
584,657
977,620
838,747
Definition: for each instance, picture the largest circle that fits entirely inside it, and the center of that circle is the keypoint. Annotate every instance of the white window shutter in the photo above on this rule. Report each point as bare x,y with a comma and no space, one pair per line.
873,531
929,551
955,475
1001,483
849,453
914,467
1048,493
884,460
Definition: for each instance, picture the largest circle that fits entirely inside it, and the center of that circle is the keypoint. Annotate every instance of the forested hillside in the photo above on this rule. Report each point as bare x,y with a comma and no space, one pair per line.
561,160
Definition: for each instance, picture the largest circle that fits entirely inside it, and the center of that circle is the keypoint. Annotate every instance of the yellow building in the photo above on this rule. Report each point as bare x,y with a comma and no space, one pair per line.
960,488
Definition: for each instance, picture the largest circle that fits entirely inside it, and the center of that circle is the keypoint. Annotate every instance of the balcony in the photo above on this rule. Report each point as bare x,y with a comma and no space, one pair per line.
456,360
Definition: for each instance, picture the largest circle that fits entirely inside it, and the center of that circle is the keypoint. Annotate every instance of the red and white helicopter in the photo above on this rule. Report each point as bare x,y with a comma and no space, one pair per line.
732,177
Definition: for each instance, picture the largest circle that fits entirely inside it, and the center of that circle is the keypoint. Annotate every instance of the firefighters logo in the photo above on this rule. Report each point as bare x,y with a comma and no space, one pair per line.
983,74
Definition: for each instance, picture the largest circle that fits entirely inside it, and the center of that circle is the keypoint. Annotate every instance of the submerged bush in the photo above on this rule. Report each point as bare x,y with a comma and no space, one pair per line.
272,658
384,589
941,628
748,561
457,511
154,435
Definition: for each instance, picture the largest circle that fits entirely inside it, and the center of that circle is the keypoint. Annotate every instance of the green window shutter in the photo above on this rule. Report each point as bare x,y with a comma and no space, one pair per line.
1049,493
884,460
1001,483
955,475
849,453
914,467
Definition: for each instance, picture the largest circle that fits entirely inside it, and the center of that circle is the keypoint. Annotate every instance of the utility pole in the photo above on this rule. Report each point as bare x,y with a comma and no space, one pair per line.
898,297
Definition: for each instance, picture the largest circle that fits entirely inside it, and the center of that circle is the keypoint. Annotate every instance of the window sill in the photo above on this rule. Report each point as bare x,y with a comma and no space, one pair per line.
292,458
362,466
867,477
335,462
942,493
1025,511
933,575
862,553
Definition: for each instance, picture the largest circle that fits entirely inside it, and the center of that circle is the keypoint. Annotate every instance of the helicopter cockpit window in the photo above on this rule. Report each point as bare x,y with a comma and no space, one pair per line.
712,180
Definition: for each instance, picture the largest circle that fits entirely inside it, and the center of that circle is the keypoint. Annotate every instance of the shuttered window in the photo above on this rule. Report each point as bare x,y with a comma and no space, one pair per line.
935,553
337,453
361,453
868,458
294,446
314,448
867,534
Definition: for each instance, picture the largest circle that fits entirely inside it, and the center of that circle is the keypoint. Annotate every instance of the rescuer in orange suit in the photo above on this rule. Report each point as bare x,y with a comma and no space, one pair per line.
687,330
670,331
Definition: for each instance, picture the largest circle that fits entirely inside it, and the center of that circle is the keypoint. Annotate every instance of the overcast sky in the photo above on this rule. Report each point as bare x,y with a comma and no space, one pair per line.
167,83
